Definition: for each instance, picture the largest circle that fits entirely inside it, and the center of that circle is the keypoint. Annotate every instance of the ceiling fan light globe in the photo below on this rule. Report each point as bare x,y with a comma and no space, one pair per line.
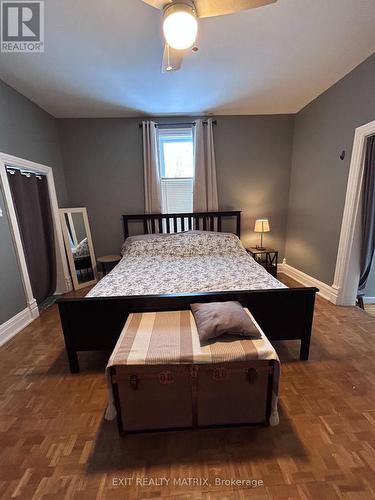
180,29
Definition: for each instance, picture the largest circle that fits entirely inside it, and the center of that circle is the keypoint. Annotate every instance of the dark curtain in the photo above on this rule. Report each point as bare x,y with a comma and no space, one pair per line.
32,205
368,213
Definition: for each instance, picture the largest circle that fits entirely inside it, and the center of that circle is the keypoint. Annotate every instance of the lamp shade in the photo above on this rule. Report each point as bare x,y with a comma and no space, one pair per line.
262,226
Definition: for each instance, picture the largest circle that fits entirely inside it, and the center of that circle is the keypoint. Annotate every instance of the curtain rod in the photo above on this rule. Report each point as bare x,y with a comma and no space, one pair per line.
214,122
12,170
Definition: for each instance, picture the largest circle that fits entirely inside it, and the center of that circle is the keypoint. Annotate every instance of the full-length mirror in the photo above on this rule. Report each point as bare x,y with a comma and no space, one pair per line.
78,245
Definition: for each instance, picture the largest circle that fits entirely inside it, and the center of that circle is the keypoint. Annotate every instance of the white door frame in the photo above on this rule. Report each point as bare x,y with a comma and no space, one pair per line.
62,265
347,265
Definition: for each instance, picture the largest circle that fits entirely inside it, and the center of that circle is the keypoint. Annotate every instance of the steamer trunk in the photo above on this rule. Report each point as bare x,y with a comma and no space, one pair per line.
176,396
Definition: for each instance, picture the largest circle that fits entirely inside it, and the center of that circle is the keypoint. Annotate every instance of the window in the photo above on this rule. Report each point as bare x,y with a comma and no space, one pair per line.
176,169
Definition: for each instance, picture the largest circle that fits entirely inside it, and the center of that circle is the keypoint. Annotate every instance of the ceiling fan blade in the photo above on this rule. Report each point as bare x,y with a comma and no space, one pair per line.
158,4
211,8
172,59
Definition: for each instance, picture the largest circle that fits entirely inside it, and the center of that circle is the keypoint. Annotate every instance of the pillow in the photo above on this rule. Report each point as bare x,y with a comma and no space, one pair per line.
82,249
218,318
141,237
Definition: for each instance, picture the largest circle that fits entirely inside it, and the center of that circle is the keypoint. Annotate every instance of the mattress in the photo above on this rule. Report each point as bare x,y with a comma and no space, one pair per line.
187,262
171,337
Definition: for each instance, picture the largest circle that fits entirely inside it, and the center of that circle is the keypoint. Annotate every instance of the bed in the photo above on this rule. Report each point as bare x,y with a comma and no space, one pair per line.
192,261
181,259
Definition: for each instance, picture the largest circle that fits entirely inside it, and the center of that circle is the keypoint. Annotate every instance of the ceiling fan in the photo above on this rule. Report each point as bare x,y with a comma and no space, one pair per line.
180,23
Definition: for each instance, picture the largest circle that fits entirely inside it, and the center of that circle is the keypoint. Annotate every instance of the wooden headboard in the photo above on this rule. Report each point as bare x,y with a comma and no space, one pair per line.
173,223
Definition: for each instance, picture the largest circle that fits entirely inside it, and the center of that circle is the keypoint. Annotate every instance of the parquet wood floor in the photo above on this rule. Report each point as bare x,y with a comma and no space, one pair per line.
370,309
54,443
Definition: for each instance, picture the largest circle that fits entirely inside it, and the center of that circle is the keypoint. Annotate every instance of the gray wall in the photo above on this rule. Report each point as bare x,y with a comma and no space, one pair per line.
28,132
103,169
12,297
318,180
79,226
253,157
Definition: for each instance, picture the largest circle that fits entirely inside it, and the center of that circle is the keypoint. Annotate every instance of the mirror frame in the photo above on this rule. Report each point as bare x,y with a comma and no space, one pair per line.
73,272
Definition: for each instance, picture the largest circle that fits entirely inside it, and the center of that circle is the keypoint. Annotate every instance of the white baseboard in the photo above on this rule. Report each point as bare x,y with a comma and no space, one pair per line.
326,291
33,308
369,300
15,324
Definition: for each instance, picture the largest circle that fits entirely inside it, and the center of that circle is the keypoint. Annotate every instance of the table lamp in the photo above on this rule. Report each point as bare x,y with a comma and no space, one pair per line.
261,226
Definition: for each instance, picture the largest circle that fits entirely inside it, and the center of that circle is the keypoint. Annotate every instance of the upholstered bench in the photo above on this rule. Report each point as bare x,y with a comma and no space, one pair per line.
160,377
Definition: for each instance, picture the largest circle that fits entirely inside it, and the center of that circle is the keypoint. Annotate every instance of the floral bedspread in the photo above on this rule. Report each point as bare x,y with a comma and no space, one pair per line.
184,262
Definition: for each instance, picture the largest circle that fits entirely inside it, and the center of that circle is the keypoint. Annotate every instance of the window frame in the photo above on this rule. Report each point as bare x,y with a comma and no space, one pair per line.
173,135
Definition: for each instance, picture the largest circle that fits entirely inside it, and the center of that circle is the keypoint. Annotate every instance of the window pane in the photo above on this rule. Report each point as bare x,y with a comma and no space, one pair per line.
176,152
178,159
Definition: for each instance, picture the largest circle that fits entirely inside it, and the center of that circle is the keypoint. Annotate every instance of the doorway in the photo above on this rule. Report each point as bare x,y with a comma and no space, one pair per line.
347,271
63,281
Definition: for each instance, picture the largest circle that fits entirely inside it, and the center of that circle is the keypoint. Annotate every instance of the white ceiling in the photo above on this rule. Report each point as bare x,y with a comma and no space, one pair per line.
103,58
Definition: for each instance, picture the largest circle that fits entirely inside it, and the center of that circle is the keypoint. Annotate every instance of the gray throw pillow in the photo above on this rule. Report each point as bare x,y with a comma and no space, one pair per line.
223,318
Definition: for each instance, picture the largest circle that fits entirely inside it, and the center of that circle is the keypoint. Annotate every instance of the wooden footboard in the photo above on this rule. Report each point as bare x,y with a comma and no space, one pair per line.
95,323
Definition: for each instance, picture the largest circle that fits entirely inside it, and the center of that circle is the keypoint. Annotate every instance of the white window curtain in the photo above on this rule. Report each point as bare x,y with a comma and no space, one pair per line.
205,184
151,170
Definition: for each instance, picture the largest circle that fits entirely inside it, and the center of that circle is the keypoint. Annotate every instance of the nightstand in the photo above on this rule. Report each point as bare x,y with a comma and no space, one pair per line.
266,258
108,262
